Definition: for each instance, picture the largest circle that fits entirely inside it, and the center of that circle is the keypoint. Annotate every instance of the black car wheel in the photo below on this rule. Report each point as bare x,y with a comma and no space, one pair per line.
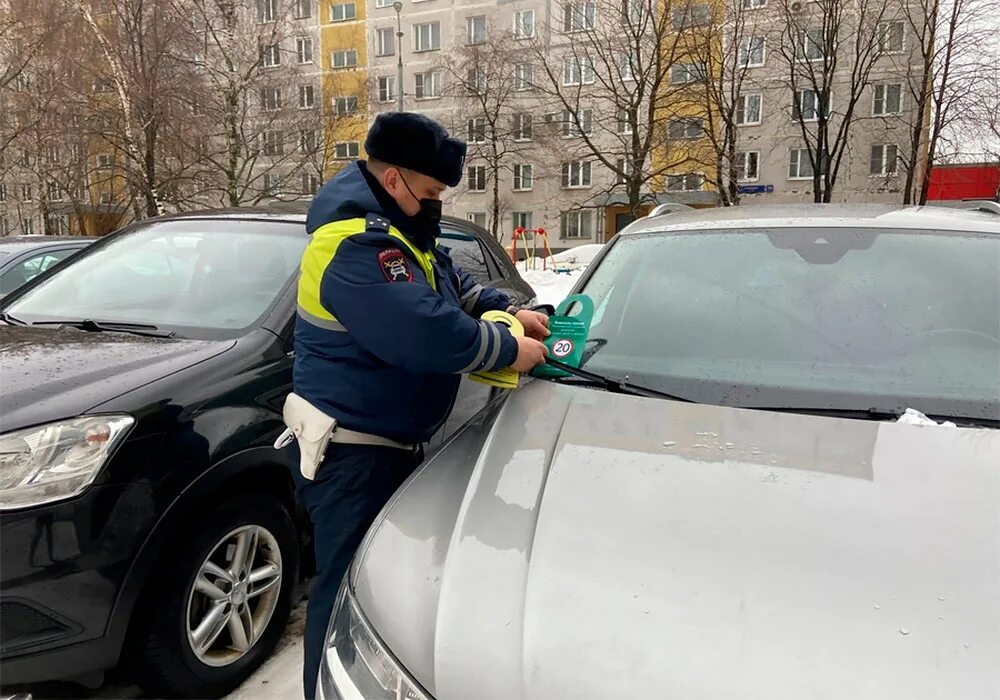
223,601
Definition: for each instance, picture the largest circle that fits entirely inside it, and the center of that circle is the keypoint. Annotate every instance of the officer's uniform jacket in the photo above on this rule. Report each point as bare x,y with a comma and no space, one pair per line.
386,323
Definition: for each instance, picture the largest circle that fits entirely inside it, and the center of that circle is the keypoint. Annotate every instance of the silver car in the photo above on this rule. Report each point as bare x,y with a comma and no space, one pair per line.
726,506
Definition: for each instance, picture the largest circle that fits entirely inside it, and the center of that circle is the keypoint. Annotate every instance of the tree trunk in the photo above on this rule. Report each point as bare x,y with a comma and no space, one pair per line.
233,148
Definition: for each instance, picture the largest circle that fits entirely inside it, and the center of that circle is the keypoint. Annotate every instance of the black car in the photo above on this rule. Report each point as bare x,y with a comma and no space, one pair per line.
22,258
146,516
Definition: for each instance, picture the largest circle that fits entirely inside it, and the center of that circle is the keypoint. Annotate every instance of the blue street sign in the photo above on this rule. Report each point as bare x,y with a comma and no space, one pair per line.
756,189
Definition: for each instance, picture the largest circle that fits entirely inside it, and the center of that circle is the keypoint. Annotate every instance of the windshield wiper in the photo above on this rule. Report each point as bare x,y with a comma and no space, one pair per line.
12,320
92,326
877,414
620,386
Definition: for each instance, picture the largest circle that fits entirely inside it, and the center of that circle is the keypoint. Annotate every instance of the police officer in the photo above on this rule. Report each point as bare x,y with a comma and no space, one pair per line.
386,326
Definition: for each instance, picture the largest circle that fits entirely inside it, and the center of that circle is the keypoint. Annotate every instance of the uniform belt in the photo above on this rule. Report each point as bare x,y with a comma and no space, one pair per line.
344,436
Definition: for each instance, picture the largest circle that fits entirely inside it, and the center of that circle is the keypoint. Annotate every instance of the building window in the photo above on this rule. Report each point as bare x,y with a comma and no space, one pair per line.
344,59
799,165
106,198
523,129
343,106
685,182
627,63
523,177
273,184
524,76
307,140
578,70
303,9
884,158
477,130
28,226
570,127
307,96
3,192
477,29
310,183
681,73
383,3
522,219
688,128
748,166
749,109
806,106
272,56
576,224
691,15
346,151
267,10
754,4
26,193
751,52
890,36
387,88
385,42
625,121
304,49
57,225
274,143
577,174
53,192
812,44
475,81
623,170
343,12
427,85
427,36
888,99
270,98
524,24
579,16
105,161
477,178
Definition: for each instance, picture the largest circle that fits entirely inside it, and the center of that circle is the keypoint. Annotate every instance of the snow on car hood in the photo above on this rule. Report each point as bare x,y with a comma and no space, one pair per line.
581,544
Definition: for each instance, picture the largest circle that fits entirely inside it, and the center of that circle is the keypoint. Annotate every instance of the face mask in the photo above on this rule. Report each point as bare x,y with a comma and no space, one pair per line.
429,215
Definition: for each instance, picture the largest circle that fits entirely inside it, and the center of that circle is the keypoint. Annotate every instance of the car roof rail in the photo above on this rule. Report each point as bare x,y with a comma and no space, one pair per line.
983,205
667,208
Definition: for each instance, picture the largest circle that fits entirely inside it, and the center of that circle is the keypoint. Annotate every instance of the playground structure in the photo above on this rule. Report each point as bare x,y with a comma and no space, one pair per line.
521,233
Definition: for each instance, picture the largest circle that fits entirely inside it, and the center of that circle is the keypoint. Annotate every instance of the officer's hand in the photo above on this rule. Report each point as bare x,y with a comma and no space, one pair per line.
530,354
536,324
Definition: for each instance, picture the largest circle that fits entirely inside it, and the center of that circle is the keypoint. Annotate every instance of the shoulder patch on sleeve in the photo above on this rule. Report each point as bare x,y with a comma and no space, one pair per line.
394,265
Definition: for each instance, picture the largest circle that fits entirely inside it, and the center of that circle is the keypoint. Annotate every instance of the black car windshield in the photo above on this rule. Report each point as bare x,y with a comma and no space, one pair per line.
812,318
198,277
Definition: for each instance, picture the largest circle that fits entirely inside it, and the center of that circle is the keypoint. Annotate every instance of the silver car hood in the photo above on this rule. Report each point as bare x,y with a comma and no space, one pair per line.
580,544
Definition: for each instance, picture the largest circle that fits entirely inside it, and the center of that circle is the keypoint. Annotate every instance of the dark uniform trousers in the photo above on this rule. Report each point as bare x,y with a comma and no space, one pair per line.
351,486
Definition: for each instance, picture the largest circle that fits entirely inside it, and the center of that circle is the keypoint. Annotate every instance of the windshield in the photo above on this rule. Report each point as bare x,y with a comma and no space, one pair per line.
811,318
195,277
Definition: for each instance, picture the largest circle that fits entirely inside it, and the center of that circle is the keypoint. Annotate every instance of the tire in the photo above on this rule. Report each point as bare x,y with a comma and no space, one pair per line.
172,651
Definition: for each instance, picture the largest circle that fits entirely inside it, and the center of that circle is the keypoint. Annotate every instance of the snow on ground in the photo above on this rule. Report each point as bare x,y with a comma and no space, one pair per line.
550,286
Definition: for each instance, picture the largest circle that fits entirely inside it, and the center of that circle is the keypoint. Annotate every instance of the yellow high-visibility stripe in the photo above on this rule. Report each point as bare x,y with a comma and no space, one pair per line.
323,248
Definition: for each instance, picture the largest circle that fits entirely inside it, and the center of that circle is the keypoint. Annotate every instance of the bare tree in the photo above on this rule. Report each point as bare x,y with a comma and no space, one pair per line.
726,51
830,49
944,81
141,70
486,89
621,89
263,115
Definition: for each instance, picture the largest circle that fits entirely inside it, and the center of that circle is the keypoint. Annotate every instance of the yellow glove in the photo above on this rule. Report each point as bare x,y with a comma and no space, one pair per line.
505,378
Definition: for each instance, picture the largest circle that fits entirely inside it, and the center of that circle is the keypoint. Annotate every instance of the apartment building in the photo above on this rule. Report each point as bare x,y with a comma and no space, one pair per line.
334,65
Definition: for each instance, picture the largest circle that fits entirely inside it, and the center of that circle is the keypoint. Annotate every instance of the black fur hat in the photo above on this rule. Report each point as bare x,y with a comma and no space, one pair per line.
415,142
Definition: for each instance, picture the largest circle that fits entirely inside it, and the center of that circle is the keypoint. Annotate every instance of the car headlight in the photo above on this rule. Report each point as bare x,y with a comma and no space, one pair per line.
356,665
58,460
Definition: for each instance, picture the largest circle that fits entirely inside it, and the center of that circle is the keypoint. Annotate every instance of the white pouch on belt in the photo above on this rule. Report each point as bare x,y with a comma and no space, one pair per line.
311,428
